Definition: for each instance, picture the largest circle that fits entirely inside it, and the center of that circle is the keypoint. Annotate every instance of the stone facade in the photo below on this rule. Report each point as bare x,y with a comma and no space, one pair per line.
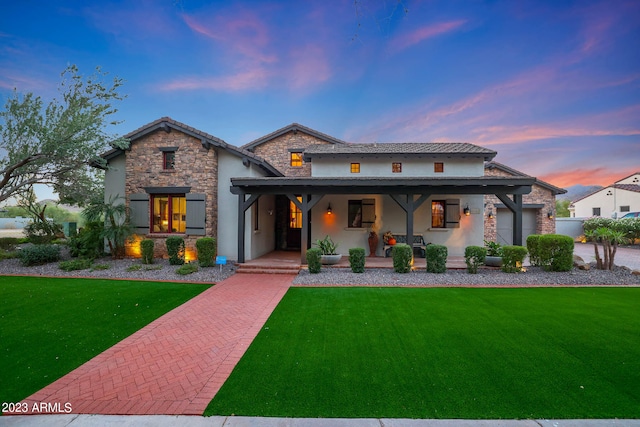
277,152
195,167
538,196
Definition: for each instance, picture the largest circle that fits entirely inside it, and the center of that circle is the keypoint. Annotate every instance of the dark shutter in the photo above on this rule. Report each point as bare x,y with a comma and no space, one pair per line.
452,210
139,208
368,212
196,214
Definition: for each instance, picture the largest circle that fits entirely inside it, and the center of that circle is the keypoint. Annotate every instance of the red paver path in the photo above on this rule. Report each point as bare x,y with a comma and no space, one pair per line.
176,364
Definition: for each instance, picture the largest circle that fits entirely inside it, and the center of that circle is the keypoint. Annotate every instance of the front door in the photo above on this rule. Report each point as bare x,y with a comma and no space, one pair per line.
294,226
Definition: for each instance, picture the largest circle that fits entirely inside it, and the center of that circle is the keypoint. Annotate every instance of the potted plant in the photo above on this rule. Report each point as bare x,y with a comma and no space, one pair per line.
328,249
494,254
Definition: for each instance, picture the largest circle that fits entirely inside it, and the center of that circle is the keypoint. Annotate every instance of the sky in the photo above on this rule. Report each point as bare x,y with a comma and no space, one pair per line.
552,86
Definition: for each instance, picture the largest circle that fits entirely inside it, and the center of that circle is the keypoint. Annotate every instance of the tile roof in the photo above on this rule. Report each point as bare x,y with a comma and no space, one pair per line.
514,172
293,127
458,149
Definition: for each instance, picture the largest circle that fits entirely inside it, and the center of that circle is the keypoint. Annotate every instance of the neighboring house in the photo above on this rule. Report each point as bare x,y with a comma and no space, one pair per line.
538,209
296,185
612,201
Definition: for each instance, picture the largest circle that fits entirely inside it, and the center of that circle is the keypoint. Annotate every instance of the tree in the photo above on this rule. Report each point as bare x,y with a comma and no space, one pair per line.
562,208
56,145
115,216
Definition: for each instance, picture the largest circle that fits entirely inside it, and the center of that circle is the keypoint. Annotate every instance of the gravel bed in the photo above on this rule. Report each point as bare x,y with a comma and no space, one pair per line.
534,276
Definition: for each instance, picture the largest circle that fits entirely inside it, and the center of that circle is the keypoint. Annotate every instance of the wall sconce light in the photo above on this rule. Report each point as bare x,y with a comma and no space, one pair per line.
550,215
490,215
270,212
329,210
467,211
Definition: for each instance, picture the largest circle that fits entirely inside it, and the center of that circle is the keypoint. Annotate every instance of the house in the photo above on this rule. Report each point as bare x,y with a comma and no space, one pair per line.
296,185
612,201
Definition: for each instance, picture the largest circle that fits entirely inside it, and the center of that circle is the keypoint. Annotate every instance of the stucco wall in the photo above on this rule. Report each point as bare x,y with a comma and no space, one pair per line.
609,200
381,166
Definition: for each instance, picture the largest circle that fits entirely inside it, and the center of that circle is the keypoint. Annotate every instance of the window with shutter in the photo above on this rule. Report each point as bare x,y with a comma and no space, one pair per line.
196,214
139,211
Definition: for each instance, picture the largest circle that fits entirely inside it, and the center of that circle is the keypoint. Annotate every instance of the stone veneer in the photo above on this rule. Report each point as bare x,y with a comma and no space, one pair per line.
538,195
276,151
195,167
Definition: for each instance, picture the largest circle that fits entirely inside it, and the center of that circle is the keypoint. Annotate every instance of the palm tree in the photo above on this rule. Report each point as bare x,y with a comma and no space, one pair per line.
117,226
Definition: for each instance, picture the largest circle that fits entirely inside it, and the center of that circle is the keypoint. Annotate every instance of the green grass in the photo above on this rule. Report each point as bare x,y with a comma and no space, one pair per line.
48,327
443,353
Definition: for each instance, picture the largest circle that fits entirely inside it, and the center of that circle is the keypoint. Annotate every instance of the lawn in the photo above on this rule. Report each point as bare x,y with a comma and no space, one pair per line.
48,326
443,353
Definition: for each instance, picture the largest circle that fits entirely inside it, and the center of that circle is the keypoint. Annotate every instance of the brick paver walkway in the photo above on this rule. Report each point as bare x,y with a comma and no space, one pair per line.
176,364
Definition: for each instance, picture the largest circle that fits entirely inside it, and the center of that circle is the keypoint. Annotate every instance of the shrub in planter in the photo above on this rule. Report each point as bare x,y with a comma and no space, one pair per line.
474,257
39,255
556,252
75,264
436,258
402,256
314,260
146,249
175,249
89,242
512,258
206,248
533,246
356,260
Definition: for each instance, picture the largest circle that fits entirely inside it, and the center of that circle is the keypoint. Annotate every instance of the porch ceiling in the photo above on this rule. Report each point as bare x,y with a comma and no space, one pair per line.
384,185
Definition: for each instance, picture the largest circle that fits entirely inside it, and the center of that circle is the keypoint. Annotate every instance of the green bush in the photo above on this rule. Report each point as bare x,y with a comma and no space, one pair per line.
533,246
8,254
556,252
88,242
474,256
187,269
402,257
146,249
100,267
436,258
75,264
314,262
8,243
357,259
43,232
206,248
175,249
512,258
39,255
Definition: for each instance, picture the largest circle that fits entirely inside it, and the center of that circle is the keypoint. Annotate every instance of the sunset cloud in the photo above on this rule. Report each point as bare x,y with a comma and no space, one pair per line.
426,32
248,80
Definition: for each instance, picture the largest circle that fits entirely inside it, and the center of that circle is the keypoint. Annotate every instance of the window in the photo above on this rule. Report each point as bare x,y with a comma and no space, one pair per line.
625,208
361,213
438,214
355,167
438,167
296,159
396,167
168,160
295,215
596,211
169,213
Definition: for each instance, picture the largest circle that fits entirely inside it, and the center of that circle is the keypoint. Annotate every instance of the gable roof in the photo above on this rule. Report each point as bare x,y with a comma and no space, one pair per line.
167,124
450,149
627,177
627,187
293,127
495,165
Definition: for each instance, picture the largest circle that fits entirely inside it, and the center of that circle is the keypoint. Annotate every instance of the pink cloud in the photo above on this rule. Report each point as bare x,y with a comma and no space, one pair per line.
427,32
309,67
587,176
247,80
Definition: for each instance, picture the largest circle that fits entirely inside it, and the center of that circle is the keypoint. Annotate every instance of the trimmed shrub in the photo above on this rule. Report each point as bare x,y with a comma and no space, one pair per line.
75,264
356,260
43,232
402,256
474,257
436,258
8,254
206,248
146,249
175,249
533,246
512,258
39,255
8,243
556,252
314,261
187,269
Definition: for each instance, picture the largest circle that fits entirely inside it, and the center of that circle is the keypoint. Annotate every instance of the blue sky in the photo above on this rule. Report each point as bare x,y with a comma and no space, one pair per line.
553,86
